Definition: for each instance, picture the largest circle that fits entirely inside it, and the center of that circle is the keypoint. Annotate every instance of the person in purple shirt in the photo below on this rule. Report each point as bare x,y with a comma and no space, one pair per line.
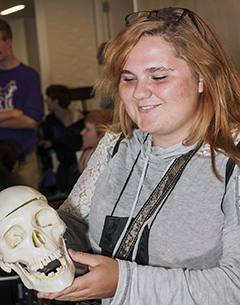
21,107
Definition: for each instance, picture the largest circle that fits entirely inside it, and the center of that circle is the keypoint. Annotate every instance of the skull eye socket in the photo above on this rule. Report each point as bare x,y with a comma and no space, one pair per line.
14,236
45,217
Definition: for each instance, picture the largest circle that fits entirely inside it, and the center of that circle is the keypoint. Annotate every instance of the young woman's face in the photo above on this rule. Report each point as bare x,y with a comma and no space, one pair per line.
89,135
159,91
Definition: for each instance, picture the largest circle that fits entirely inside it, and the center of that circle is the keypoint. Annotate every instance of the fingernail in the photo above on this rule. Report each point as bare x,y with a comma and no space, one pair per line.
72,251
42,296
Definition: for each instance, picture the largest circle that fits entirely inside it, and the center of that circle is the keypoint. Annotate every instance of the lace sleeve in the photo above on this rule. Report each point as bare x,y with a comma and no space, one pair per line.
79,200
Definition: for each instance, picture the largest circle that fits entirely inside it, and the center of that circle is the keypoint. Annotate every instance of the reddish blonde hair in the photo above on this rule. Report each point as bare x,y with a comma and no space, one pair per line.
218,115
101,118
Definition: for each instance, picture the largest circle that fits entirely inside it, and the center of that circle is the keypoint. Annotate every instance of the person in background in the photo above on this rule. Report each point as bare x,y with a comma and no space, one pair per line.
100,53
60,131
105,103
8,163
93,133
163,210
20,93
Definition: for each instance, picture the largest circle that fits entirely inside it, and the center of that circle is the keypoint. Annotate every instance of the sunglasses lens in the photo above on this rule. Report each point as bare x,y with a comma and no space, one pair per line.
130,19
168,14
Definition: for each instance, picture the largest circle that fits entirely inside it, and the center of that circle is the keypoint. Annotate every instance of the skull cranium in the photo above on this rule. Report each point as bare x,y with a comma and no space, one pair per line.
31,240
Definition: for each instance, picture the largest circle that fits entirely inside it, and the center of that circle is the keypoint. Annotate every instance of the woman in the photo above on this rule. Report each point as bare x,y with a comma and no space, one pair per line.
177,98
61,131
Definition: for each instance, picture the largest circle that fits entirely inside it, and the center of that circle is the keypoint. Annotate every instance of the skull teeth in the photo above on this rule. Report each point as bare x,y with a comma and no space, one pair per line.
46,261
42,276
62,261
41,264
51,275
52,257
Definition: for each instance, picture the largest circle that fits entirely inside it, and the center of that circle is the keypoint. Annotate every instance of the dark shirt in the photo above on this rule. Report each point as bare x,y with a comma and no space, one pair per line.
66,140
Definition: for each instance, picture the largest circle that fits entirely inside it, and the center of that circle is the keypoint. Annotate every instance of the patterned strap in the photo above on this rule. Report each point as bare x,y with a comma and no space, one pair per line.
154,202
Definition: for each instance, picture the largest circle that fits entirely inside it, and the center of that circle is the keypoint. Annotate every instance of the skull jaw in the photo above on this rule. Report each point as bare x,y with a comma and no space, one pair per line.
53,282
47,280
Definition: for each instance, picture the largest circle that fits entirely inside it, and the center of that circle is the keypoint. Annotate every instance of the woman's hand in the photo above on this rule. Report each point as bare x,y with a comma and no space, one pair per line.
100,282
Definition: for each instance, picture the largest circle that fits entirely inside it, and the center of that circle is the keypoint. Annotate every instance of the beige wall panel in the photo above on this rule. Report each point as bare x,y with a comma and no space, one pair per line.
71,41
67,44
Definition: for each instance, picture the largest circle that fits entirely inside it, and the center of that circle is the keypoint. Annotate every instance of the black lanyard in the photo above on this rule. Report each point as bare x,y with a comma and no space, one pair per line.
155,202
114,226
130,174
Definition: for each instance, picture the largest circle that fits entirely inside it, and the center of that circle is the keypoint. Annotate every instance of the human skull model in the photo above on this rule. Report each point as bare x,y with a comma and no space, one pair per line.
31,240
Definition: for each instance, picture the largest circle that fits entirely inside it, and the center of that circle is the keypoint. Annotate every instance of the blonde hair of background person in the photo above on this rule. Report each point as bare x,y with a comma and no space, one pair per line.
167,67
218,114
93,132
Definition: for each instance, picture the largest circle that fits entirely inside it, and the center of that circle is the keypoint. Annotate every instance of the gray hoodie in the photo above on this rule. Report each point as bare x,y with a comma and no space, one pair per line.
194,242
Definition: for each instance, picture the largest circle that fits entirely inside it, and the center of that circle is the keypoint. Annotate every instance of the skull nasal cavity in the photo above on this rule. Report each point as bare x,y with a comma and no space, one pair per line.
37,238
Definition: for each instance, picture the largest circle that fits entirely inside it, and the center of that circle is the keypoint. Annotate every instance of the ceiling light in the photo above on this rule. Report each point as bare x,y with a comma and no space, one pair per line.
12,9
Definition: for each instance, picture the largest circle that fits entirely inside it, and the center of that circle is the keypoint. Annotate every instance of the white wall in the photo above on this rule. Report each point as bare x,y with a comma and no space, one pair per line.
69,33
66,39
